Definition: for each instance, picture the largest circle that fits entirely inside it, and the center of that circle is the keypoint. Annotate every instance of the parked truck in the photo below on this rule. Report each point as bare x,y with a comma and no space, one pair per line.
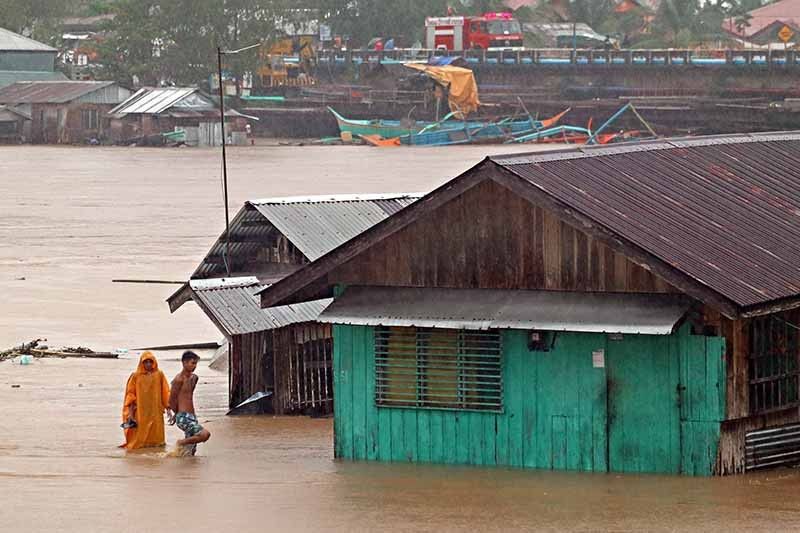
490,31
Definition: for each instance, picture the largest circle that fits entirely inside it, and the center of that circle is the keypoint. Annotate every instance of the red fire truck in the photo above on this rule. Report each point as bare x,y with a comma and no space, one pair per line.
490,31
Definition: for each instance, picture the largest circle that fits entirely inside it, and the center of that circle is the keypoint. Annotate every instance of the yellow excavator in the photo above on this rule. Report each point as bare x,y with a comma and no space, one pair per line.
287,62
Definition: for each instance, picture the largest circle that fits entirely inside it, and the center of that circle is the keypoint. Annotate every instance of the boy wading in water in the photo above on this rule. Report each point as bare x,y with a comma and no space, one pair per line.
181,402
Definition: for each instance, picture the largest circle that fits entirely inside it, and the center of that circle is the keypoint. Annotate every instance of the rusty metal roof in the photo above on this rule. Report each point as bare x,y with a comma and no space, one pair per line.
234,307
14,42
49,92
724,210
482,309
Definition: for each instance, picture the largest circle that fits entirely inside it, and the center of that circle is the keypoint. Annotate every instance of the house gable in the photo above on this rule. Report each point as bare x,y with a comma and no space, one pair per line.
491,238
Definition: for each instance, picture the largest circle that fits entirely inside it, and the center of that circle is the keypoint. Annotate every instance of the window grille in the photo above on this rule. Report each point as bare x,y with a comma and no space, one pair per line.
89,119
438,368
774,372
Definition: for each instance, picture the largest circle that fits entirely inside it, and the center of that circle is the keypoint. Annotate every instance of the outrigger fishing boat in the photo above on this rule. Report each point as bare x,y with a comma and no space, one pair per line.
434,133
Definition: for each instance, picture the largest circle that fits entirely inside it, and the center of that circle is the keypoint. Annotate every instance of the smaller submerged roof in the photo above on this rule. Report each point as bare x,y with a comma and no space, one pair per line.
318,224
481,309
232,304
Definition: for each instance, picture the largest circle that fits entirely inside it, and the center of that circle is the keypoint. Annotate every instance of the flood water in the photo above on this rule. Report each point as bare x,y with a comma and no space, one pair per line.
73,219
60,470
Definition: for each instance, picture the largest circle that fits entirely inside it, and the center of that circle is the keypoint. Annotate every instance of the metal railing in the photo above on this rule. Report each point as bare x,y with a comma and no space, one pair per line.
555,57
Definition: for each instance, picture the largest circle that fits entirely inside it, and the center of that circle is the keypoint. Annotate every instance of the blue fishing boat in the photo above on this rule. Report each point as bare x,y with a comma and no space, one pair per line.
449,130
500,131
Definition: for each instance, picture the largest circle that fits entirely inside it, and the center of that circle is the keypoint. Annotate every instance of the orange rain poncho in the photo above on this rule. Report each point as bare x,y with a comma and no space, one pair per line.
150,391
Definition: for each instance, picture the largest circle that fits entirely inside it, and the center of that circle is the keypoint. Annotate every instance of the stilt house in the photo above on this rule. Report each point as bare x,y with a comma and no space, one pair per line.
283,350
629,308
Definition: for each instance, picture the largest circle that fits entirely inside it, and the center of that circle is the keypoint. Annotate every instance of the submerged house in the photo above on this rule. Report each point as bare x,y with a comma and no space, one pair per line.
153,111
632,308
64,112
283,349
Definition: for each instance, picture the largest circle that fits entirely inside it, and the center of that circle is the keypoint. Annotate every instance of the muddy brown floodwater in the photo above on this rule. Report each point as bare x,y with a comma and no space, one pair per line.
72,219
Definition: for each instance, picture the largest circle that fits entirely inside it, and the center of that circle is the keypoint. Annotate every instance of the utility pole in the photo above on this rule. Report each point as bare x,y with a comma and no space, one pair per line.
220,53
227,256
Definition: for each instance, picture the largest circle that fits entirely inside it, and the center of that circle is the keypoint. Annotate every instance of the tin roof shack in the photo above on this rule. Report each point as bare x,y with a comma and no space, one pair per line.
630,308
14,125
23,59
283,350
151,112
65,112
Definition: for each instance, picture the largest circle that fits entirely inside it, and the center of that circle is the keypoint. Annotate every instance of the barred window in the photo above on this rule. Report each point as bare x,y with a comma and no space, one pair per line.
89,119
438,368
773,364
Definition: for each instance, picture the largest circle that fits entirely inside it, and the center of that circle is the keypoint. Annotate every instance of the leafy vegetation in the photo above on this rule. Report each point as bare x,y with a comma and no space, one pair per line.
153,40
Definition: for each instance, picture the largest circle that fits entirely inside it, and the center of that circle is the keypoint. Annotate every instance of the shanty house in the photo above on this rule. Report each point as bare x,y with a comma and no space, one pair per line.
632,308
283,349
153,111
65,111
23,59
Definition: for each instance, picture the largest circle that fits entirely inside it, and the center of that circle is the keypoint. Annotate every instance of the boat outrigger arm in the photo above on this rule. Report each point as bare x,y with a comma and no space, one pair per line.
615,116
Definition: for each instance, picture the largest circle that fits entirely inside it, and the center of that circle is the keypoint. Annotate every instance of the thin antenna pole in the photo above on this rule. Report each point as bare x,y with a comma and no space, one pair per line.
224,166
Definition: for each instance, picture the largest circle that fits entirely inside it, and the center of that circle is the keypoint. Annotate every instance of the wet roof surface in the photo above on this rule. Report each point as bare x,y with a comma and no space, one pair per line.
234,305
481,309
723,210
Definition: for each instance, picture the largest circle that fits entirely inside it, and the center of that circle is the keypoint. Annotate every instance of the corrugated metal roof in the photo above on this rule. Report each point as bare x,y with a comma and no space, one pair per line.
49,92
10,77
723,210
314,224
14,42
483,309
318,224
152,100
235,307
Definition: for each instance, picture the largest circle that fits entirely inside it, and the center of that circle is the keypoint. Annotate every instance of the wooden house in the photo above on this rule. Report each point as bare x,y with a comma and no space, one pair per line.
283,349
630,308
65,112
153,111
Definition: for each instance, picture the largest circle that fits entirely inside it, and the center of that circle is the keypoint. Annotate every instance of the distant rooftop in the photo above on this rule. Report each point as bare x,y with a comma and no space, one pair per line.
14,42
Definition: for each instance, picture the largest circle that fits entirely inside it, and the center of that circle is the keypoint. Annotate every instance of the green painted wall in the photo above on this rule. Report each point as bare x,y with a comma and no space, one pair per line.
29,61
655,406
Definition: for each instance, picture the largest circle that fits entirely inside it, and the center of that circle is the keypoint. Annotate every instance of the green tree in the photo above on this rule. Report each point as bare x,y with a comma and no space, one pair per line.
39,19
154,41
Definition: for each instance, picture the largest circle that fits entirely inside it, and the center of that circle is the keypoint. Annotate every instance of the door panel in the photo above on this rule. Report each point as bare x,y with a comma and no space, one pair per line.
643,424
570,415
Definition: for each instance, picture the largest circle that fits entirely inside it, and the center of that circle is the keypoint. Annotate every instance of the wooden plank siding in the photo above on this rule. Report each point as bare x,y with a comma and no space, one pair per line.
655,406
506,244
251,356
303,368
295,362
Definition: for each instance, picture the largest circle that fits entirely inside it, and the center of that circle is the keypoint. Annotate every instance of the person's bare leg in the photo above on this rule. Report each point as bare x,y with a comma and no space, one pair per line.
203,436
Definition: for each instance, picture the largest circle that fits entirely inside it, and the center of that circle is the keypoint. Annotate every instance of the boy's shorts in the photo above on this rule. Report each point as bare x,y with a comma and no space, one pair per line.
188,423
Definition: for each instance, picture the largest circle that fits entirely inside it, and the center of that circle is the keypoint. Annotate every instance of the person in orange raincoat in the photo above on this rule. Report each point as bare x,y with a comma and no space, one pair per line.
146,399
